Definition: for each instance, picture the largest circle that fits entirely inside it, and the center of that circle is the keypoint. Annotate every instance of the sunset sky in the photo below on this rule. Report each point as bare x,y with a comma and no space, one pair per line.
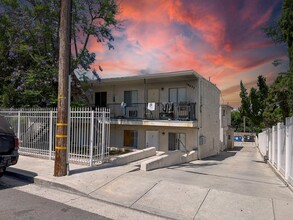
220,39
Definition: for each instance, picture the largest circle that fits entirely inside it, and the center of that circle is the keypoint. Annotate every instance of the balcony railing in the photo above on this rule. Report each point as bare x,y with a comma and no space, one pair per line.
154,111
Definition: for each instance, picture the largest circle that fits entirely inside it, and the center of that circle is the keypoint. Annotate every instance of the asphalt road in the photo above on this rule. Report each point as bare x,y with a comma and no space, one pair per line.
15,204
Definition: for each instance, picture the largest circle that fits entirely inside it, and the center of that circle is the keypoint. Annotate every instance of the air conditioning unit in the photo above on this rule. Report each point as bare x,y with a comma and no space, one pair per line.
131,112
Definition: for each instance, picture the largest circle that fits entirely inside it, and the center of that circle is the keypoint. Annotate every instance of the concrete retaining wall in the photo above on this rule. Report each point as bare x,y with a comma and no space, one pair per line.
134,156
169,159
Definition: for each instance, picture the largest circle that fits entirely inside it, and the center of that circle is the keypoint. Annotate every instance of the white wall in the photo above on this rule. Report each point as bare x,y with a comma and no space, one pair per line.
209,119
225,130
115,93
117,135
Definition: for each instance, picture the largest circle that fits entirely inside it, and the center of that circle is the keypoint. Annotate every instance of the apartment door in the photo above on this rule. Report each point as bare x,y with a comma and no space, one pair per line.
177,141
152,139
130,138
153,95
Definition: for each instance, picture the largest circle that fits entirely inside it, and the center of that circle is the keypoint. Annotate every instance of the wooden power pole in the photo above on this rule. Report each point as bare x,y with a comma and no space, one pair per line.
60,168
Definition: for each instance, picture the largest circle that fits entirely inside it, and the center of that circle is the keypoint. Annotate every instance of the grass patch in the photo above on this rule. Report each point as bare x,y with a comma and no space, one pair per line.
119,151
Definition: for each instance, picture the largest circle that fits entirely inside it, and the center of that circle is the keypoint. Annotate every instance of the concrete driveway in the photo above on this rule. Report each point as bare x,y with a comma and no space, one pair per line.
232,185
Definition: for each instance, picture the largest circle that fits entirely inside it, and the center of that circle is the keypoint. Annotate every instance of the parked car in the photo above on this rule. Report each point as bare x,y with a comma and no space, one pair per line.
249,138
9,144
237,138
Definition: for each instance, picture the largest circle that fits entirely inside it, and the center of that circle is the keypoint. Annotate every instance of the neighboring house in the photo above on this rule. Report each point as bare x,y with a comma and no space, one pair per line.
170,111
226,130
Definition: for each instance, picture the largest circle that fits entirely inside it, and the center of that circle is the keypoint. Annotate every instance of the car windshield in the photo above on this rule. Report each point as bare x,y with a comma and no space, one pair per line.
5,127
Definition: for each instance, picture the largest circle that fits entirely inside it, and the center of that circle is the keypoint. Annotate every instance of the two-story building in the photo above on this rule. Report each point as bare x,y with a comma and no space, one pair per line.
170,111
226,130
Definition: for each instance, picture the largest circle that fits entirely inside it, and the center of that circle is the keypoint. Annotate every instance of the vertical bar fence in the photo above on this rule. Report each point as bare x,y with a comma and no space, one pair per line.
89,133
276,145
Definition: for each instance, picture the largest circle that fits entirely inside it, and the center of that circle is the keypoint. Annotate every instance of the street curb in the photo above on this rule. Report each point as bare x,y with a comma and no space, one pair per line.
30,177
19,175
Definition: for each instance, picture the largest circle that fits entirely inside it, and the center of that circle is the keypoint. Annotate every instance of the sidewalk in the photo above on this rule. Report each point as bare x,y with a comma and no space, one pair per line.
232,185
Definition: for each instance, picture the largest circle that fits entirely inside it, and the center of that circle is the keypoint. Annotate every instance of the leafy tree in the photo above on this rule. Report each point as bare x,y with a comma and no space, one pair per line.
29,46
281,31
286,26
245,105
279,103
253,104
237,121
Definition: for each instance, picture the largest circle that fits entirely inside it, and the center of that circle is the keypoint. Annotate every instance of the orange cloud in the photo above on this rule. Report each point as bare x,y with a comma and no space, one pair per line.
210,27
218,39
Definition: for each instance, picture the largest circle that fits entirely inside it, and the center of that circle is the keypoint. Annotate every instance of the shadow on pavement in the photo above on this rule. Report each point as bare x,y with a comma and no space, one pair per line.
14,177
192,165
89,169
206,161
220,157
237,148
258,161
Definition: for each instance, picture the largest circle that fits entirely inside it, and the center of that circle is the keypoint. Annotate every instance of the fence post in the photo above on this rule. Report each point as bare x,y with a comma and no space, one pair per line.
50,134
68,135
288,150
265,140
279,145
273,144
92,137
270,143
18,126
103,134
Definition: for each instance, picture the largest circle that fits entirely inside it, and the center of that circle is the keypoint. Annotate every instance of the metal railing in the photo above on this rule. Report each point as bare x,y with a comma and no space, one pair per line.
89,136
154,111
276,144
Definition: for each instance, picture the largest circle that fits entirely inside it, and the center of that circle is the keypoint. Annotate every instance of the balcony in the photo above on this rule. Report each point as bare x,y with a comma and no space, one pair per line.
155,114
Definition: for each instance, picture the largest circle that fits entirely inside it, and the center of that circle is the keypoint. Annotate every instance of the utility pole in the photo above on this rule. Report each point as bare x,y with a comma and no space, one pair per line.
60,168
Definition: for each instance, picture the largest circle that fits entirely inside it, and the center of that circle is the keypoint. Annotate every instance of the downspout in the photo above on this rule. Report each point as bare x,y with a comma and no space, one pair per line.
198,119
145,98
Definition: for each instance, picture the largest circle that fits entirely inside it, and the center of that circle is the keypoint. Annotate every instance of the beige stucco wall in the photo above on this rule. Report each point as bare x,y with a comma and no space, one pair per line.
209,122
202,92
230,142
117,135
225,120
115,93
225,129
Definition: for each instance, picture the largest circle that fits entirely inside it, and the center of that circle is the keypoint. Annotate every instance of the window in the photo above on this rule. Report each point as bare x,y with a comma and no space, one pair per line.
177,141
130,138
101,99
224,112
177,95
130,97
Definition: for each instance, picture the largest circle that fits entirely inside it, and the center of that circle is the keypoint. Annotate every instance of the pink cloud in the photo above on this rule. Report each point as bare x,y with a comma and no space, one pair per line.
218,39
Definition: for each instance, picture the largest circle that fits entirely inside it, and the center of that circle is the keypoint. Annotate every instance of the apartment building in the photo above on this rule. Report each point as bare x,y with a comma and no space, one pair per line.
170,111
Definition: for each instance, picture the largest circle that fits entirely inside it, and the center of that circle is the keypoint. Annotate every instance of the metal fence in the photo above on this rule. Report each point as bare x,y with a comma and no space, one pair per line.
276,144
184,111
88,139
